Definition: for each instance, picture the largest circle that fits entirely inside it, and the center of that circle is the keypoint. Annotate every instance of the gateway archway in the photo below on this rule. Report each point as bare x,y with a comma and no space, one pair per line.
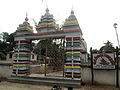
47,28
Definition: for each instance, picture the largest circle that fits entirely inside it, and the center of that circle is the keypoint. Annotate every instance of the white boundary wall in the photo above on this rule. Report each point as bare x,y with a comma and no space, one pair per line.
103,77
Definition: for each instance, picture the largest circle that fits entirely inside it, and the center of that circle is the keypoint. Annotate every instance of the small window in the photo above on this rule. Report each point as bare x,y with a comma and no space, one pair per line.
32,56
10,55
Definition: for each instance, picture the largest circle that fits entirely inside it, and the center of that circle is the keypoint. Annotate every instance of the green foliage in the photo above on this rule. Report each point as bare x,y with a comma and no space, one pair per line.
108,47
95,50
4,36
53,50
2,56
6,44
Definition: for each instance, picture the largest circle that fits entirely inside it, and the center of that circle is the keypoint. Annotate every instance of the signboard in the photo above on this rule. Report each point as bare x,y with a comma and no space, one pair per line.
103,61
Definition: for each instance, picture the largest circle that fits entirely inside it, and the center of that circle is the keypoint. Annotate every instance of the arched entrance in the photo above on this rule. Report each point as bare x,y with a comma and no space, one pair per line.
48,29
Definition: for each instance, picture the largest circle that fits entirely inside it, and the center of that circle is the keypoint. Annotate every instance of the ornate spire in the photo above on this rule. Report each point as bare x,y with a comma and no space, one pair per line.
26,19
47,10
72,12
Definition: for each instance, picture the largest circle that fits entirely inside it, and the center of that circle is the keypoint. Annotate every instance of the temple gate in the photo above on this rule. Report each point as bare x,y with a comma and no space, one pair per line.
47,28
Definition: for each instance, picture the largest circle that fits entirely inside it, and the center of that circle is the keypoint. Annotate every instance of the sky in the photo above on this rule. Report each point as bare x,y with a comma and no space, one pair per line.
95,17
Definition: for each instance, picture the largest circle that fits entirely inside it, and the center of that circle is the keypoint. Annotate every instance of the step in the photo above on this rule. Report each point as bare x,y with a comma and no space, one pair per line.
46,81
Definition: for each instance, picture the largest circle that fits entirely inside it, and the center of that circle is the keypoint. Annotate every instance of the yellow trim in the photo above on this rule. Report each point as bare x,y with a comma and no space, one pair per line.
19,28
72,19
69,22
20,65
22,53
69,53
76,67
45,24
72,67
76,53
72,53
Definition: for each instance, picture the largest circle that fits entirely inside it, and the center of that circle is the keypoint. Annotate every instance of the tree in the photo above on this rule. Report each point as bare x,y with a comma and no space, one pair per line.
95,50
10,40
108,47
4,36
6,44
55,51
3,49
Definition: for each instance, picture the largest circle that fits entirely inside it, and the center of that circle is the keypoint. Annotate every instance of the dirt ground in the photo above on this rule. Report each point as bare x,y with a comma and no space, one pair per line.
18,86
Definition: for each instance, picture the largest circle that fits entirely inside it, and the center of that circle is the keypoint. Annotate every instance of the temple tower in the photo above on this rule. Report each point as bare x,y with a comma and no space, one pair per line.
22,49
73,47
46,23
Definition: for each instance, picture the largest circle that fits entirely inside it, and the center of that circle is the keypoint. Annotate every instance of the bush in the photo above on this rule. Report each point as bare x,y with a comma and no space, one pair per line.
2,56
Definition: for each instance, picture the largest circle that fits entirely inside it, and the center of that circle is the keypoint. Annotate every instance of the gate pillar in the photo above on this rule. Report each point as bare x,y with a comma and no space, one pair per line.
73,55
21,61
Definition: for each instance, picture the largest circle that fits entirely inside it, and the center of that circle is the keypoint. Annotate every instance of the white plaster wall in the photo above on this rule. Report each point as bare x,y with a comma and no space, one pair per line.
5,71
86,74
105,77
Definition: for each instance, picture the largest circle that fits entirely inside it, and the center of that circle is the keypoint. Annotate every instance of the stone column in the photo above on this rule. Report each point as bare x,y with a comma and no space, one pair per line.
22,58
73,55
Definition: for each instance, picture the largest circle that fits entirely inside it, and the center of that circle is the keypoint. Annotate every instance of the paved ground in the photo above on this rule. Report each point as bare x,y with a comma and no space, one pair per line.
17,86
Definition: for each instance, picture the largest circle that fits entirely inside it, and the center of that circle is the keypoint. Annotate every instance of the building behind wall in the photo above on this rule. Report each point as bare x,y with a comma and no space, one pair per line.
11,56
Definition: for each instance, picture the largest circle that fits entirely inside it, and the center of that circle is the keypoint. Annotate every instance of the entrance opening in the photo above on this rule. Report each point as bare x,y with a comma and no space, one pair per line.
50,58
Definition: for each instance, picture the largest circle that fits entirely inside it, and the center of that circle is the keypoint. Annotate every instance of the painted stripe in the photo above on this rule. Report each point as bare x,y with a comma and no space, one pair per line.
23,30
71,18
71,25
76,73
68,53
23,41
21,68
72,53
39,28
22,51
76,61
68,61
71,22
24,70
76,64
17,65
76,76
73,64
47,33
76,38
21,63
68,72
68,75
22,60
68,39
76,41
72,67
21,72
45,24
68,64
27,28
22,44
75,50
76,55
22,55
